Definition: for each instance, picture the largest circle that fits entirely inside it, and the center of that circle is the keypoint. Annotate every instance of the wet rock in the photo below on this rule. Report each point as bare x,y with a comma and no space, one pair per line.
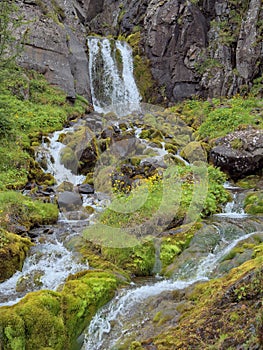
65,186
30,282
69,200
85,189
240,153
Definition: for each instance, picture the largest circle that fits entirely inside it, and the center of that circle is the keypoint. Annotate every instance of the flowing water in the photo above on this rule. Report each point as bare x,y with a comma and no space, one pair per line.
113,86
50,262
126,313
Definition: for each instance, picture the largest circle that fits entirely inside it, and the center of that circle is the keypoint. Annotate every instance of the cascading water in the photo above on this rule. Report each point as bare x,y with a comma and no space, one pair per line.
124,315
51,151
46,267
113,87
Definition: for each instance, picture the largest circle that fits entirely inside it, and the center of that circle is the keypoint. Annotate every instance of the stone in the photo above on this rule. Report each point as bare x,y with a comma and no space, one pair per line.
85,189
69,201
240,153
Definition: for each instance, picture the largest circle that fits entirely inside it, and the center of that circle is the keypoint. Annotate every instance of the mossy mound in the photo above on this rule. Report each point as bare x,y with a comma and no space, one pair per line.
55,319
13,250
137,261
254,203
17,209
225,313
174,243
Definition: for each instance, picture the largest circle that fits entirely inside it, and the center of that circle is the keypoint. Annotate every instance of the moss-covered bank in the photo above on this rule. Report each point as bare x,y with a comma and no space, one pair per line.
54,320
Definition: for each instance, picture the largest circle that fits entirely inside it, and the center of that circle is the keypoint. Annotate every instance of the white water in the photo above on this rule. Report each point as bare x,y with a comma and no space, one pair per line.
51,152
98,335
113,87
51,263
234,209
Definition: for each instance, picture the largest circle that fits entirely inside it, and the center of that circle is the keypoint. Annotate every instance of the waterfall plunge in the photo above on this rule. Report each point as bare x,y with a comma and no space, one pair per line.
113,87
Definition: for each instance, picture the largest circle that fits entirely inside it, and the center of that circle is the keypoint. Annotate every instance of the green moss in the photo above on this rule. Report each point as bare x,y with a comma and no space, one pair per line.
13,251
21,210
138,260
221,314
254,203
29,108
51,319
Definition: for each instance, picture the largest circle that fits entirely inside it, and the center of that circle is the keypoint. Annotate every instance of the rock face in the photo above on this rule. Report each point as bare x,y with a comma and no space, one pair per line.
56,44
204,48
240,153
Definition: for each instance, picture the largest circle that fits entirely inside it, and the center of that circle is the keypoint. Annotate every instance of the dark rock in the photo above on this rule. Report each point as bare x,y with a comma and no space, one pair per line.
240,153
56,45
69,200
85,189
19,229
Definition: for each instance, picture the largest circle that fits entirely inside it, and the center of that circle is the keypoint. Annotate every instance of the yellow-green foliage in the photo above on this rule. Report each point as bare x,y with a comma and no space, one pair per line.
18,209
254,203
55,319
150,194
29,108
138,260
13,250
218,117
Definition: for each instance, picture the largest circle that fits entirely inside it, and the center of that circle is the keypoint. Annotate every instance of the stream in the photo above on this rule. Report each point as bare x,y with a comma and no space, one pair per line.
49,262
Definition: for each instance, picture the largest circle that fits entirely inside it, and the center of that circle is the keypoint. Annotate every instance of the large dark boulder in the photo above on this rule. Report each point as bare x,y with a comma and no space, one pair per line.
240,153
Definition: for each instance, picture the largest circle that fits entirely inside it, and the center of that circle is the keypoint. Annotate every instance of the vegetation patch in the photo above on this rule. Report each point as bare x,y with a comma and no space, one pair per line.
13,250
55,319
17,209
219,117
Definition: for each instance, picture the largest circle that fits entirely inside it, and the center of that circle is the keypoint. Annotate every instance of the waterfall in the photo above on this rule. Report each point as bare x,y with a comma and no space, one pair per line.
113,87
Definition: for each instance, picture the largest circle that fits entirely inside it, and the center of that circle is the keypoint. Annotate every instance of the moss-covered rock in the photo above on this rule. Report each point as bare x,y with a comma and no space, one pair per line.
17,209
254,203
138,260
225,313
55,319
13,251
194,151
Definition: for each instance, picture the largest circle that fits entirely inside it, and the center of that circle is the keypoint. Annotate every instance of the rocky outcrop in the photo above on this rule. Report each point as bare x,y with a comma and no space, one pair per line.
204,48
56,44
240,153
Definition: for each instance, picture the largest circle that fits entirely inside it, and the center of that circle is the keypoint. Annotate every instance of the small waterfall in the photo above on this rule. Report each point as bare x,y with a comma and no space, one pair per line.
51,152
113,87
46,267
234,208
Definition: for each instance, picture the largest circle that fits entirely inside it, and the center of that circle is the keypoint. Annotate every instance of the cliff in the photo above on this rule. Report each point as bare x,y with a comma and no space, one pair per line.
204,48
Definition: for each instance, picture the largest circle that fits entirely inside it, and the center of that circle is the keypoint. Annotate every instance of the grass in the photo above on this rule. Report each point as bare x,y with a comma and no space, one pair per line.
29,109
218,117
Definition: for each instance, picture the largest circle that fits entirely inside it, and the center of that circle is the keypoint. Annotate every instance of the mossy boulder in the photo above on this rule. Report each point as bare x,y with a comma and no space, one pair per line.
17,209
137,260
69,159
194,151
251,182
225,313
47,319
13,251
254,203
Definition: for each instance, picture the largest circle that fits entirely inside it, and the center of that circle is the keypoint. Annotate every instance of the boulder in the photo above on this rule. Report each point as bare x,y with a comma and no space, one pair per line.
239,153
69,200
86,189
